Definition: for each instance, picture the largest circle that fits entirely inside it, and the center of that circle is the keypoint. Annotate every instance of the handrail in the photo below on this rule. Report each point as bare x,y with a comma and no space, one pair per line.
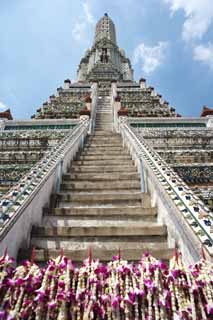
93,107
2,124
171,120
12,202
113,108
190,206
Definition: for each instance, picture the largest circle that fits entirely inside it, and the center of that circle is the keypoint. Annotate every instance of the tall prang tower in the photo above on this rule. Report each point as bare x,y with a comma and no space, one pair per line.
106,165
105,61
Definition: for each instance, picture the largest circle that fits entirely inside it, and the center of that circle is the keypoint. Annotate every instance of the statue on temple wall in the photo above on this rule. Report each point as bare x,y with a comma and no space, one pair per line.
104,58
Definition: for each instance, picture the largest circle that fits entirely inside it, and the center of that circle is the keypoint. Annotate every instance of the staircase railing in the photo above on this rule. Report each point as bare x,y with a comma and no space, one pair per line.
113,106
94,96
2,124
186,214
22,206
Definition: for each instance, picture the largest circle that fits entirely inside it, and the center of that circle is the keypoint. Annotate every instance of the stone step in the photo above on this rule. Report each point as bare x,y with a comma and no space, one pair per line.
103,127
131,253
99,142
104,101
90,203
140,230
100,121
109,152
106,213
100,191
86,221
103,121
109,128
101,176
104,104
106,142
103,162
105,153
107,116
101,185
103,169
102,148
104,157
104,114
104,111
65,199
104,139
104,133
107,196
97,131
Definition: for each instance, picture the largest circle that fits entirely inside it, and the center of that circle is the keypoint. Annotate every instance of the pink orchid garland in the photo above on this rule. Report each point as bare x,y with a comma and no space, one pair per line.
117,290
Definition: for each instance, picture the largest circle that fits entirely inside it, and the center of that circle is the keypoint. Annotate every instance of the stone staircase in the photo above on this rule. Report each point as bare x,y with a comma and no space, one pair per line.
100,205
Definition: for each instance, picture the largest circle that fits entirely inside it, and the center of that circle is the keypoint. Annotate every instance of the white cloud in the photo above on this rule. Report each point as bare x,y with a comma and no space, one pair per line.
151,57
89,17
3,106
80,28
79,31
204,53
198,17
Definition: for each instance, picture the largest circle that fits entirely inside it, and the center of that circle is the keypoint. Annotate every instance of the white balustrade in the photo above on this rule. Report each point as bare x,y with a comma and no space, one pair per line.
183,207
22,206
94,97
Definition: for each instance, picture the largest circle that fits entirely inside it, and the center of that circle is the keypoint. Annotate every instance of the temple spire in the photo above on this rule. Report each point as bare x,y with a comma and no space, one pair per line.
105,28
105,61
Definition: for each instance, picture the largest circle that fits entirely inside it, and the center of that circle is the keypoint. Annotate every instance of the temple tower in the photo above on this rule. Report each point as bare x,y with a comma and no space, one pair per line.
105,61
105,28
106,163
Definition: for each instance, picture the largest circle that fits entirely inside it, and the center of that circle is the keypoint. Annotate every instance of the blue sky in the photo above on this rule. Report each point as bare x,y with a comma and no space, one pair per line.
170,43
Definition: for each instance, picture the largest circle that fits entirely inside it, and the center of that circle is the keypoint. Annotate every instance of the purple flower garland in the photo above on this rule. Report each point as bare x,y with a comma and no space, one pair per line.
148,290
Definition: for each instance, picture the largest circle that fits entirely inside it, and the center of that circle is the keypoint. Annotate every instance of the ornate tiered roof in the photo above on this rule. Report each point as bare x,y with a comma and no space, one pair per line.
206,112
6,115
